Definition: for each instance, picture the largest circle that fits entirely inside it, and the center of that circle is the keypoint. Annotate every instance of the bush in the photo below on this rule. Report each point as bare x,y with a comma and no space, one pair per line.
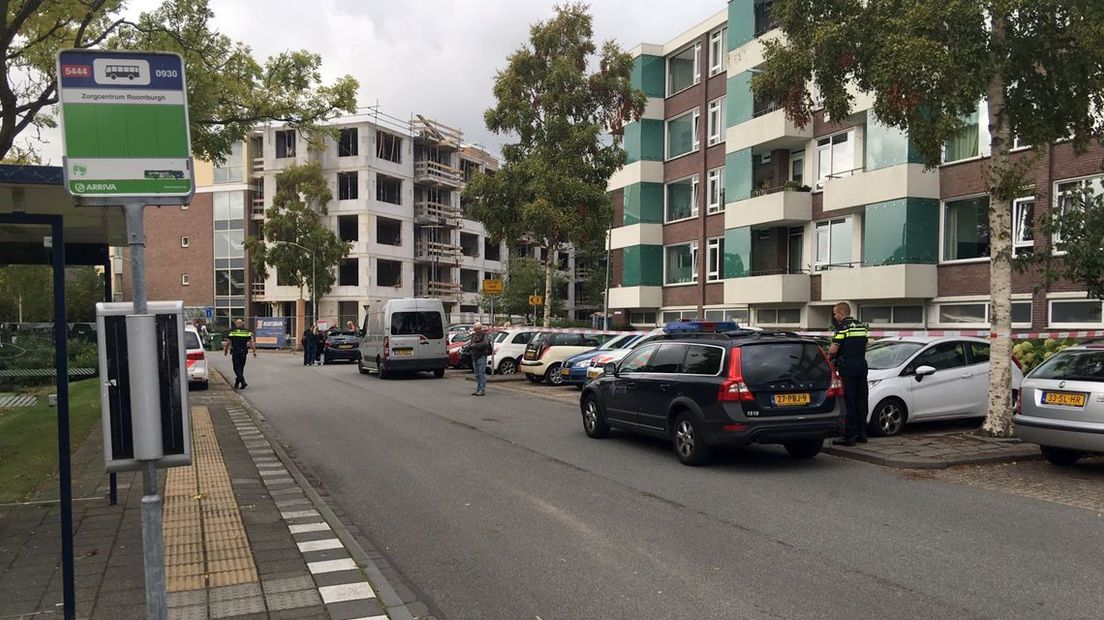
1031,353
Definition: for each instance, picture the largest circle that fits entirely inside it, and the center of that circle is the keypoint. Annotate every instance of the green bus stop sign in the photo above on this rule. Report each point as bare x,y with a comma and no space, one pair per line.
124,118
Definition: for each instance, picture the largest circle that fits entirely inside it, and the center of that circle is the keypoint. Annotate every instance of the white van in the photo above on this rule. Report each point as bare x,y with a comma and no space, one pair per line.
403,334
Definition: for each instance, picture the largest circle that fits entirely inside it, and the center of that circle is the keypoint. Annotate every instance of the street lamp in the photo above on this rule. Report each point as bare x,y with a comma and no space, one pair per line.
314,282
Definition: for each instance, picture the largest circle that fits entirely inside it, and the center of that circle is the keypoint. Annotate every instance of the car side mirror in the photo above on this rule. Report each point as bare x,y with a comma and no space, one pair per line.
923,371
610,369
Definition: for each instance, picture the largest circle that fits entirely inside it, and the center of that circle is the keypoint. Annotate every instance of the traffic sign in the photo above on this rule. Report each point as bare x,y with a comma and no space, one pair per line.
536,300
124,118
492,287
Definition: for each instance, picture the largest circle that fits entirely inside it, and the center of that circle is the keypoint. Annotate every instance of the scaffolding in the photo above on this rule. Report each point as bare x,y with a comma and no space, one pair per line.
438,181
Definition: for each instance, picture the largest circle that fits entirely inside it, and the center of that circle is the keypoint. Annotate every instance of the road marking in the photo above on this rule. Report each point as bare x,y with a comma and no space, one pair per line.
309,527
299,514
319,545
331,566
346,592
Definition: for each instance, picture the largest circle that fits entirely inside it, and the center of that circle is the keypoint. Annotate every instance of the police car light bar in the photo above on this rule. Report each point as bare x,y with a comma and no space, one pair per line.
676,327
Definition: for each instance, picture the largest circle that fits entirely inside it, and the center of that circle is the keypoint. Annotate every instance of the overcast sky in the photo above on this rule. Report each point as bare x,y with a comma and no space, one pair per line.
432,57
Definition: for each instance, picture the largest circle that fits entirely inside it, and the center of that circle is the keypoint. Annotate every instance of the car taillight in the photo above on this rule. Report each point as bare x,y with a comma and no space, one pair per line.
734,388
835,387
386,347
196,356
1019,402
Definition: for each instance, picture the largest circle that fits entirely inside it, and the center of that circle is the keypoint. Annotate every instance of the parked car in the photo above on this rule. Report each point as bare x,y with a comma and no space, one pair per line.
547,351
730,389
456,360
919,378
1061,405
598,362
196,360
404,335
509,347
340,346
574,369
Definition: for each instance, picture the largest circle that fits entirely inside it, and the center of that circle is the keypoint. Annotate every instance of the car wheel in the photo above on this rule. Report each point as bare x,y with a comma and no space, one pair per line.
553,376
804,449
1063,457
594,421
360,366
534,378
689,442
888,418
439,373
380,370
507,366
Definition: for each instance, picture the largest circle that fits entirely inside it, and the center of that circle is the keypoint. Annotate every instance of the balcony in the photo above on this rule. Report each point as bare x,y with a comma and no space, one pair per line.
633,297
874,186
437,174
904,281
767,289
779,206
769,129
635,234
435,252
257,291
439,290
428,213
256,167
257,209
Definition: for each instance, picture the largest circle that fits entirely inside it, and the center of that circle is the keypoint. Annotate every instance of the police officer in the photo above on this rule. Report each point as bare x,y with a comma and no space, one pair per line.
237,344
848,353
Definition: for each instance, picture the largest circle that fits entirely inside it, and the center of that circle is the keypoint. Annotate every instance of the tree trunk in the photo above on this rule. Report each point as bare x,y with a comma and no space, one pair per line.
549,273
998,421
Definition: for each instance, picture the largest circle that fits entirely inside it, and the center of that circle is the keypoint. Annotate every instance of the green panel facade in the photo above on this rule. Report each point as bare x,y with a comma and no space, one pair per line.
901,231
737,248
740,103
647,75
643,265
643,141
738,172
125,131
644,203
741,22
888,146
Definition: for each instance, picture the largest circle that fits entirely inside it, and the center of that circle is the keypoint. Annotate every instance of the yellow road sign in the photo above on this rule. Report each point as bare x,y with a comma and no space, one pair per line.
536,300
492,287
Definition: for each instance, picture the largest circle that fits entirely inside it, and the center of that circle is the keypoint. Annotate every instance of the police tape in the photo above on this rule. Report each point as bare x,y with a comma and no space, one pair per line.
977,333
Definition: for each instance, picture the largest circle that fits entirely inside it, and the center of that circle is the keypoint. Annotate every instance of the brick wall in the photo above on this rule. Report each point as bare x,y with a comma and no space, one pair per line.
166,260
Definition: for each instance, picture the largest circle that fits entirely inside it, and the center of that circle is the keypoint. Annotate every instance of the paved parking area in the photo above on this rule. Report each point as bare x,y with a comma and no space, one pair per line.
1081,486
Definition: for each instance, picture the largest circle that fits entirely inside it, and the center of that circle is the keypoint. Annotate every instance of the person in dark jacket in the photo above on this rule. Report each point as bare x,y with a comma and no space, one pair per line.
237,345
479,347
309,342
848,353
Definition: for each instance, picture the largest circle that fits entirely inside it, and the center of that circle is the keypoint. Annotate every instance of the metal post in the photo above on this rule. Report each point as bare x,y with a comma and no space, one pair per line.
152,543
314,286
605,298
112,478
65,475
492,311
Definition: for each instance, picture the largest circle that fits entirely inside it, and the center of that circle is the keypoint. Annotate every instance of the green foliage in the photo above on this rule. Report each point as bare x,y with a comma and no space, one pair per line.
1080,226
296,217
524,278
229,91
552,185
32,288
1031,353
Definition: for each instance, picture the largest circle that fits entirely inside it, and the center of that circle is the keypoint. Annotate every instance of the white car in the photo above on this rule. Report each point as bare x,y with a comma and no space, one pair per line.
913,379
508,349
196,359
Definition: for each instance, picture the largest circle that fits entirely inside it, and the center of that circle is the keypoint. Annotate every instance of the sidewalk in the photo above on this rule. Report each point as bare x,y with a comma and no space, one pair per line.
245,536
938,450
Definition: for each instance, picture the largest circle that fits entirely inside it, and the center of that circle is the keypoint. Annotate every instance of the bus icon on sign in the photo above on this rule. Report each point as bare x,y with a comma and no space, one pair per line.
123,71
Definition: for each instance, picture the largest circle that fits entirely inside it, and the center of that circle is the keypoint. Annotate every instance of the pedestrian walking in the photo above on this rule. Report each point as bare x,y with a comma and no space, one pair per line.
309,342
848,352
479,347
237,346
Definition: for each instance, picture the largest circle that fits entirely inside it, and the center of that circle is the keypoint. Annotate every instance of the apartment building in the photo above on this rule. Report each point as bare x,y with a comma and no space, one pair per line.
727,210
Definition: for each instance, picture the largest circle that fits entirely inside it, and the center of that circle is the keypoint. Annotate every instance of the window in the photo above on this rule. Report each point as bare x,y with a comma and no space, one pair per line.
388,231
739,316
185,279
795,250
388,189
491,250
965,144
835,156
979,352
346,313
346,185
347,143
715,121
347,227
388,273
233,169
674,316
681,264
668,359
682,69
778,316
1076,312
977,313
715,259
682,199
229,282
642,318
469,280
682,134
892,315
523,338
469,245
420,323
185,241
389,147
1073,366
833,239
966,229
637,360
285,143
940,356
348,272
1066,194
717,51
797,167
715,190
1023,226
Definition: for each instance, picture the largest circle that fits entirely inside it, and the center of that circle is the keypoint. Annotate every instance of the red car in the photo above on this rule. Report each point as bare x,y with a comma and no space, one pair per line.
455,357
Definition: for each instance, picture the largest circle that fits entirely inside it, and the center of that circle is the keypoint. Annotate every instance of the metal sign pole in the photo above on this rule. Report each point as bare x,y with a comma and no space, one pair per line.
61,352
147,421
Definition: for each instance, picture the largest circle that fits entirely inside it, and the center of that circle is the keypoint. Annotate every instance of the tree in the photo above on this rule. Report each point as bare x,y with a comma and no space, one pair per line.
552,185
27,293
229,92
525,277
295,217
1080,226
1039,64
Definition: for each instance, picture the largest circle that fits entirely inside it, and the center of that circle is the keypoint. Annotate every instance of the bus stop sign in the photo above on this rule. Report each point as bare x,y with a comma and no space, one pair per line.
124,118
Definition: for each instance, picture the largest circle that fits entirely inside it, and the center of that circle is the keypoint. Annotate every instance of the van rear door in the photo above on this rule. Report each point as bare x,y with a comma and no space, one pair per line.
417,331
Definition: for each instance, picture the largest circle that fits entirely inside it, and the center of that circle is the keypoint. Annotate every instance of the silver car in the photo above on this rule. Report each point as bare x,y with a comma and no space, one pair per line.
1061,405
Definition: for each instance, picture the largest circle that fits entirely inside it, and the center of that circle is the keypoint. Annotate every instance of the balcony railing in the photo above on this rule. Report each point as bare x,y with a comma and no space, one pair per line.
440,290
256,168
436,251
429,212
257,210
257,290
427,171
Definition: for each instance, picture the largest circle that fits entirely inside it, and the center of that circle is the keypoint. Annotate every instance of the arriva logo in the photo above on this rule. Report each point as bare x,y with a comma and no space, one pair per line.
81,188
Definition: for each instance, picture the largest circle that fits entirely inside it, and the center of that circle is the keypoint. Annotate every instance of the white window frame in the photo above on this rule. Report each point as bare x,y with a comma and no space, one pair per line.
714,259
697,69
643,314
714,190
943,230
715,121
693,263
933,318
776,311
695,188
1018,243
1050,312
825,265
1056,239
185,241
695,143
796,157
821,179
893,322
717,51
185,279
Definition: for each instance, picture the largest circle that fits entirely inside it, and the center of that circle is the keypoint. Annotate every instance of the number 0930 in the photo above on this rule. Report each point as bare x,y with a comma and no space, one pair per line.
169,73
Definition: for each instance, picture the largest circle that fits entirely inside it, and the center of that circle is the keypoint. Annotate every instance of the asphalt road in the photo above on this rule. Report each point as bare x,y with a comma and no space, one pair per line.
500,507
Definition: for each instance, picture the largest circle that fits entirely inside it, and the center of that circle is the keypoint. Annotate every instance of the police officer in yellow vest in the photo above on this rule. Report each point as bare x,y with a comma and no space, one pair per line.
237,344
848,353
